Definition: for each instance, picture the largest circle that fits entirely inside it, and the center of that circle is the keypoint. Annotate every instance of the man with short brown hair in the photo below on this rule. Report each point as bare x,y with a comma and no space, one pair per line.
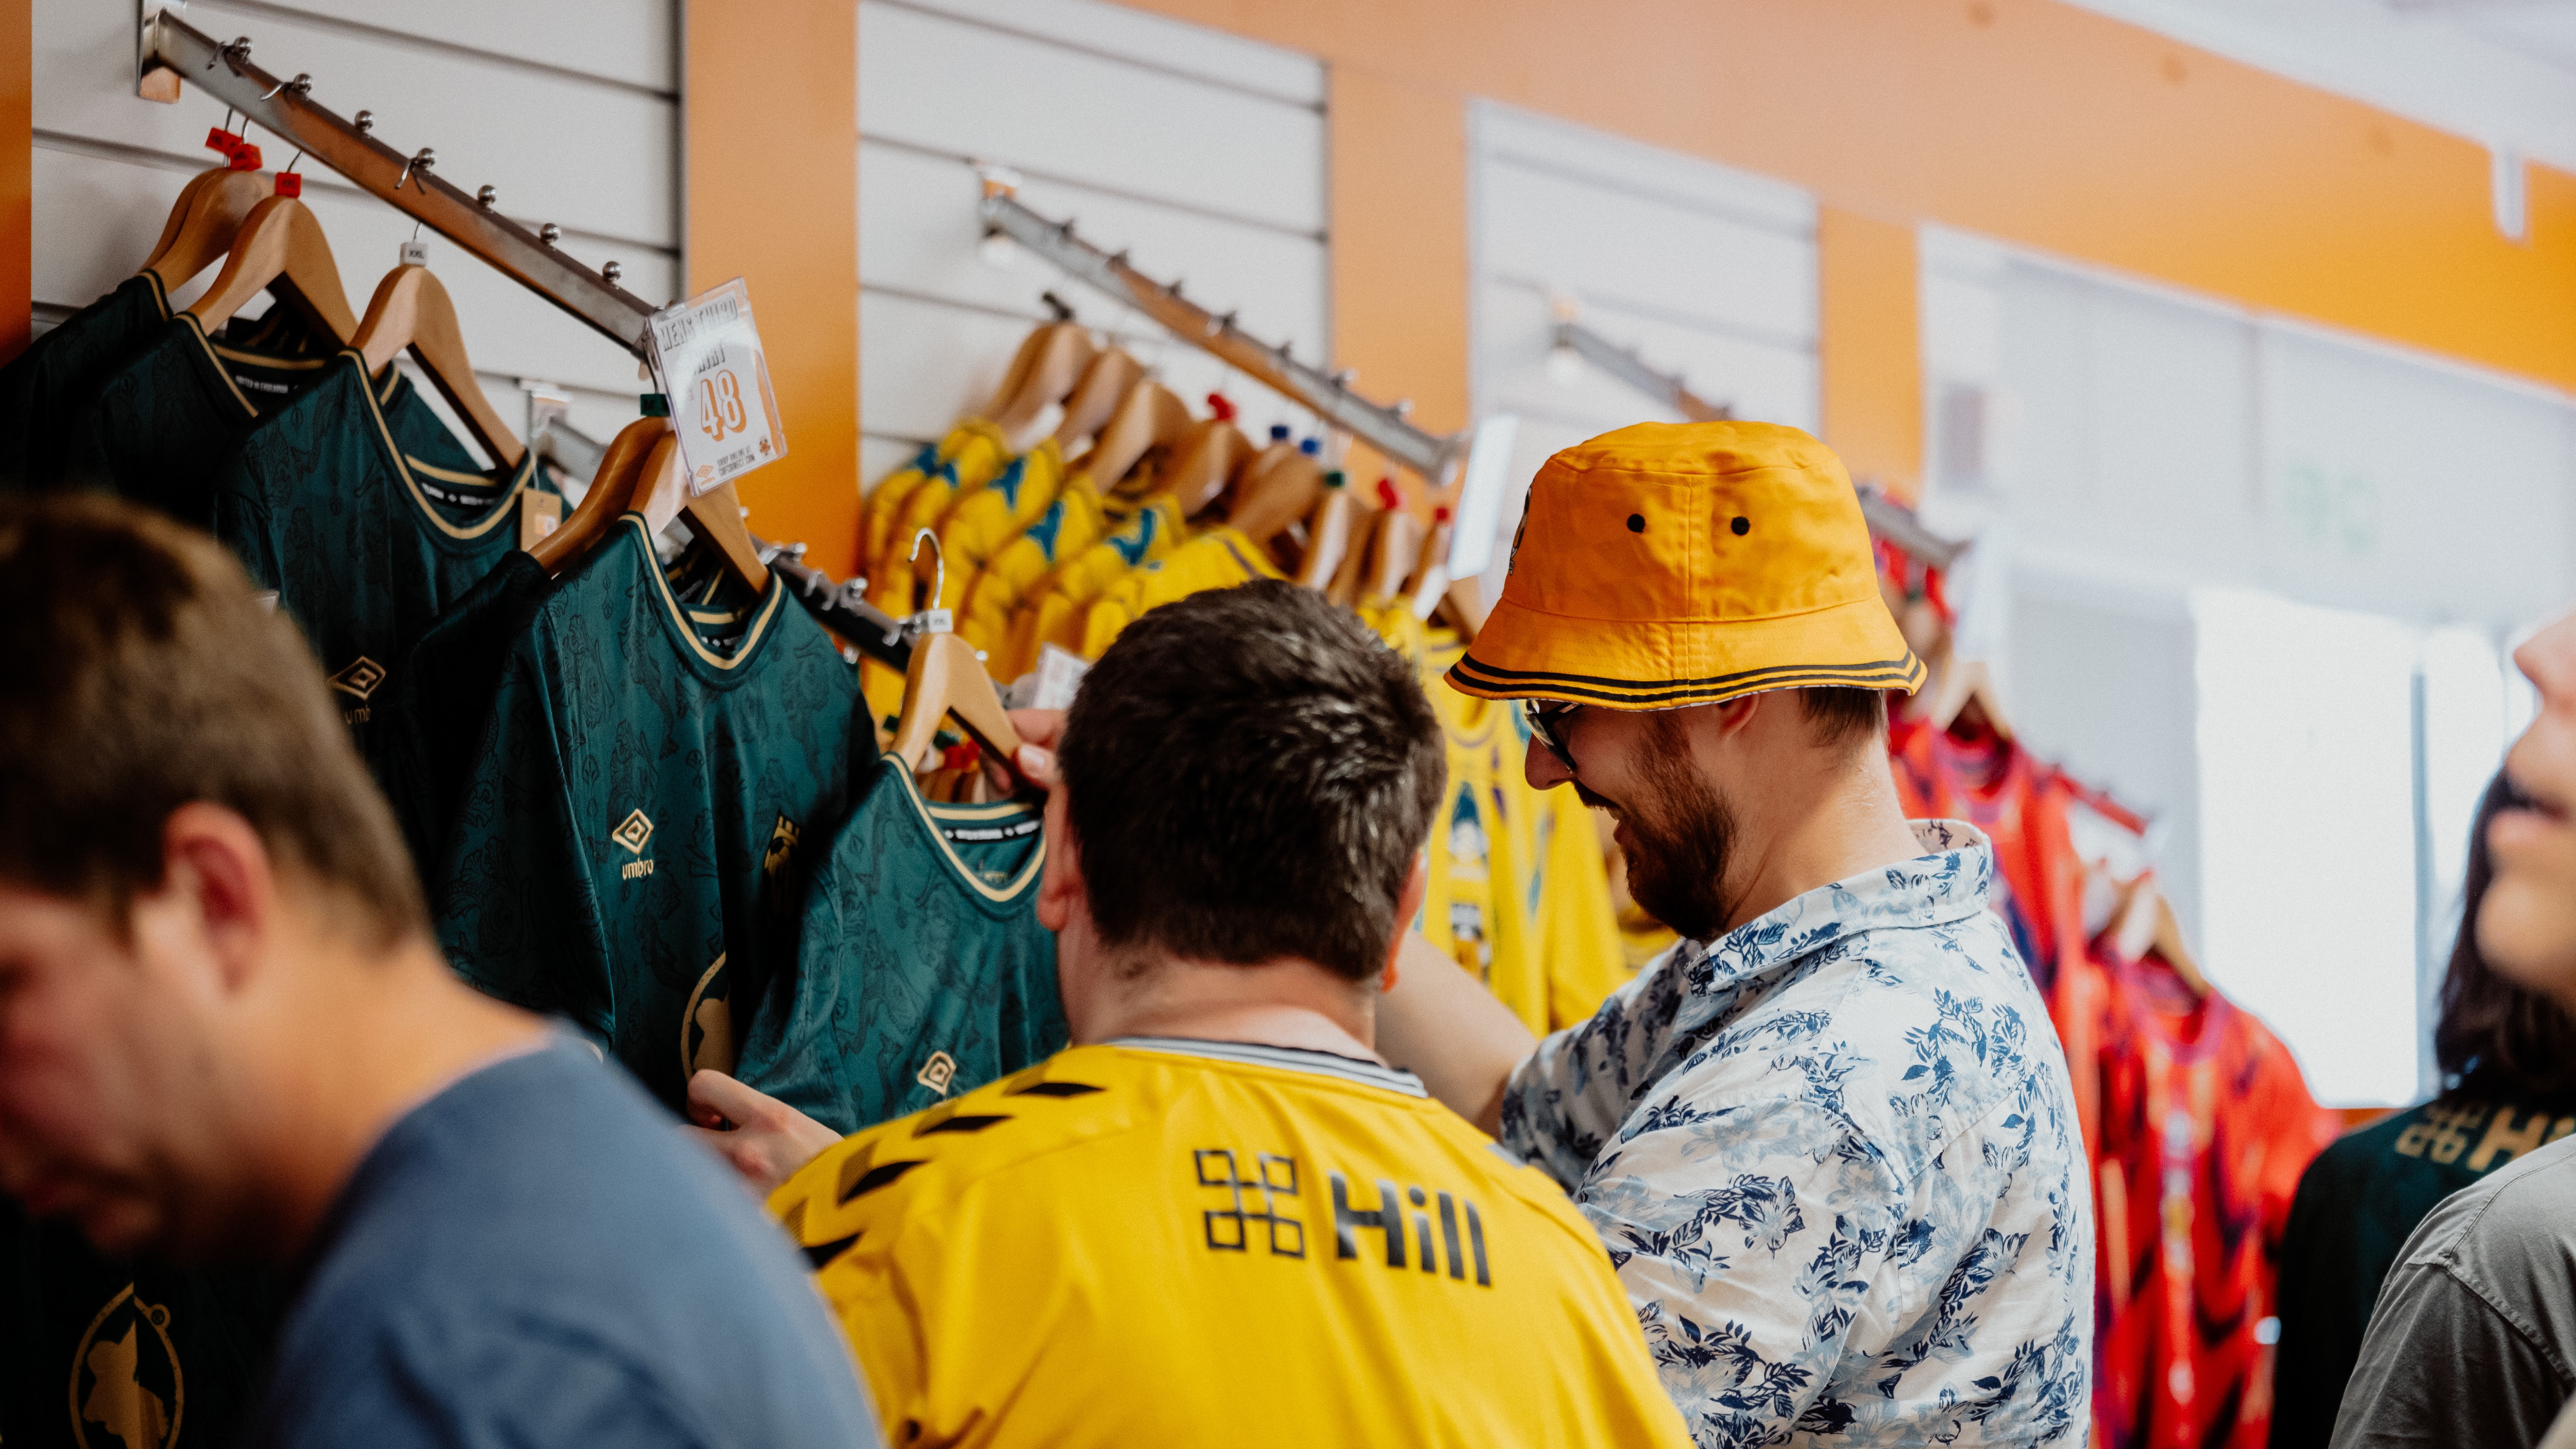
226,1034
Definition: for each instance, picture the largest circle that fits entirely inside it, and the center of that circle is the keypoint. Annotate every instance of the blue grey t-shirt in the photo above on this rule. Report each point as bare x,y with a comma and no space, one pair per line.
536,1256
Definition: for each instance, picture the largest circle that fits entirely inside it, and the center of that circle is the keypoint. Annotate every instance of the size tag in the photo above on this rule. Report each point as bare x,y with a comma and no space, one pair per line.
1060,673
539,515
415,254
290,183
706,355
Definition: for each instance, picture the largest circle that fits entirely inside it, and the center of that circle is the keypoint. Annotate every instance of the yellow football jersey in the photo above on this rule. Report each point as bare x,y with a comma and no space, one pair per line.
1217,559
1185,1242
890,577
1056,606
973,449
1580,951
979,523
1071,524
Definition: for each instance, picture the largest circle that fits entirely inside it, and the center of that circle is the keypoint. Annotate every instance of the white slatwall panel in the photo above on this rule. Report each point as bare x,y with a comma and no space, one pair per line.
1200,153
1708,271
570,109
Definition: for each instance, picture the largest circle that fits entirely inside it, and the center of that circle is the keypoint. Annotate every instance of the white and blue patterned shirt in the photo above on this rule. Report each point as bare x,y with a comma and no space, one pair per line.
1836,1161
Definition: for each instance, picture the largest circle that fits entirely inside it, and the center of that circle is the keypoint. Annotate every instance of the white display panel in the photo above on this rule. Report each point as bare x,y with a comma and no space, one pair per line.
1707,271
1201,153
2307,826
494,89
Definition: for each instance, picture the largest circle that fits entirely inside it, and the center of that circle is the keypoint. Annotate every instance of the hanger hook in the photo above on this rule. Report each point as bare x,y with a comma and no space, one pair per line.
424,158
938,564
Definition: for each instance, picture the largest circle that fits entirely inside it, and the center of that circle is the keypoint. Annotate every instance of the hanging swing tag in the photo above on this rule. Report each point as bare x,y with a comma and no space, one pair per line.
706,355
290,183
415,253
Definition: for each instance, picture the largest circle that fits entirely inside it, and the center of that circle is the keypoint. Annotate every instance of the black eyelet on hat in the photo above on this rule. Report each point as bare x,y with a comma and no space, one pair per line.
1742,526
1636,523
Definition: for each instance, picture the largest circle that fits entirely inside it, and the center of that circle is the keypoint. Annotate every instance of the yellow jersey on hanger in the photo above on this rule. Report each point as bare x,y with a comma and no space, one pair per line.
973,449
1159,1241
1057,606
979,523
1479,857
1217,559
890,579
1071,524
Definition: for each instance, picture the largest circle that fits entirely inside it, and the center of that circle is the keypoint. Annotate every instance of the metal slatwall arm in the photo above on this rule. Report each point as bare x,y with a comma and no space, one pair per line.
409,183
1325,394
1887,518
1625,364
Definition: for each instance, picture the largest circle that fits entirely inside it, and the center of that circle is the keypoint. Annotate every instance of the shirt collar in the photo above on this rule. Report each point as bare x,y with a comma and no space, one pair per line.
1948,882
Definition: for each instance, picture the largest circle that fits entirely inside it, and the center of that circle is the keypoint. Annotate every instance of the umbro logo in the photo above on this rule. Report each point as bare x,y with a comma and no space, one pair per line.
359,677
632,832
938,1072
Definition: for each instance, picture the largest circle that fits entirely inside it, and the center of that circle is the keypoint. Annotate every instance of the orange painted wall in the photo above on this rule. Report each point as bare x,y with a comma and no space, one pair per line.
1870,348
770,145
2027,120
1398,220
17,141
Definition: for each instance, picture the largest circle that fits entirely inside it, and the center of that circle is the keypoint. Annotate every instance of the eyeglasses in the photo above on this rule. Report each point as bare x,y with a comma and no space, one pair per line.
1548,720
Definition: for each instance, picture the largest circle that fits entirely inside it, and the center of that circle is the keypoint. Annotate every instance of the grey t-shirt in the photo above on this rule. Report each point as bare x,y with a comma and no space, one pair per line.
2472,1338
536,1257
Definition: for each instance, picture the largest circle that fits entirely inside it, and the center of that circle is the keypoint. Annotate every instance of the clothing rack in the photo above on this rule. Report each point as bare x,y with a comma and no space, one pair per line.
1887,518
1625,364
169,51
841,608
1325,394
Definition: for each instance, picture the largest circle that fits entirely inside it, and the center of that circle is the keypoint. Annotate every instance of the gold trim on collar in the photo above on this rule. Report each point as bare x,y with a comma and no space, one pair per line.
679,614
403,465
964,814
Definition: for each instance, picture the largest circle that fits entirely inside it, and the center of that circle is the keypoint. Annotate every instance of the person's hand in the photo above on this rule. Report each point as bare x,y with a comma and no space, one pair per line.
1039,730
766,1141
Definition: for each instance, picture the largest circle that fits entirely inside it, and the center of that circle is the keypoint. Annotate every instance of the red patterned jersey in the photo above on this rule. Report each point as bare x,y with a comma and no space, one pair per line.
2205,1127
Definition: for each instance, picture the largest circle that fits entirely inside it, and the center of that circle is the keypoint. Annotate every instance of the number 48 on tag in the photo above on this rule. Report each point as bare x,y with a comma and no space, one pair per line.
706,355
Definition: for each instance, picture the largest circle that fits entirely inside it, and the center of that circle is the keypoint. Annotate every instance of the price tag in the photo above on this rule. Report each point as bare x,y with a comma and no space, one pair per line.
706,355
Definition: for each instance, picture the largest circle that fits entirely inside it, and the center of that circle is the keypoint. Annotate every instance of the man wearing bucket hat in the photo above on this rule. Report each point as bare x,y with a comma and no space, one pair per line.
1829,1137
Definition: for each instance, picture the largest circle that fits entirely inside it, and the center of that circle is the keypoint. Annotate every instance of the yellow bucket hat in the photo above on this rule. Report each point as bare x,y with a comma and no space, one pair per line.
1672,564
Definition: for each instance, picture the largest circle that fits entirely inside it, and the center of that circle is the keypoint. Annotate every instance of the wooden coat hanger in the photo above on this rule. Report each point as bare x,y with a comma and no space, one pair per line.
946,680
204,222
280,241
715,516
612,493
1350,575
1285,486
1331,527
1063,352
1957,687
1150,416
1394,552
1104,385
1205,463
2145,923
411,310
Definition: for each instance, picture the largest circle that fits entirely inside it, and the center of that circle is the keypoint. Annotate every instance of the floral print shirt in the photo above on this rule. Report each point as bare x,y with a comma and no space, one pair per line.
1834,1155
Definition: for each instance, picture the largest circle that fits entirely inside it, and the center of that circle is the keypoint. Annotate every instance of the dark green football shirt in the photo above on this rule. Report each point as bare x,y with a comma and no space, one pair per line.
627,849
363,545
922,972
161,425
441,694
149,1355
60,370
2356,1205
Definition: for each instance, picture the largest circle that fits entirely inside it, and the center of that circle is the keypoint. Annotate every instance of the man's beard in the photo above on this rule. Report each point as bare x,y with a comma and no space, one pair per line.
1680,833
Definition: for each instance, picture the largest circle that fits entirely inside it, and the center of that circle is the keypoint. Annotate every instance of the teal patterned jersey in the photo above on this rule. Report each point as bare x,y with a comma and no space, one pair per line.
922,971
363,545
440,695
627,852
161,425
58,372
151,1356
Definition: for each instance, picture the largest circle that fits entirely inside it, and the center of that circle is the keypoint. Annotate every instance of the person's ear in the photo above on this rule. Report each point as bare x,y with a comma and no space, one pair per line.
1060,883
218,887
1734,716
1408,904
